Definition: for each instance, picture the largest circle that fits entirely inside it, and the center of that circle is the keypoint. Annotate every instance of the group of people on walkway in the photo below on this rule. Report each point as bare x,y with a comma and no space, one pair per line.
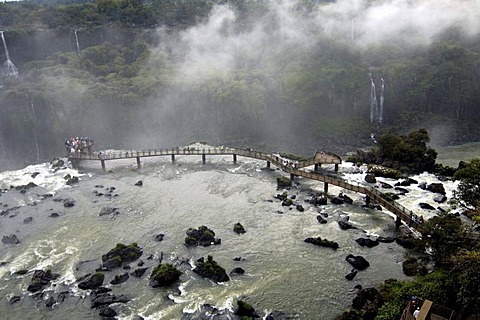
78,145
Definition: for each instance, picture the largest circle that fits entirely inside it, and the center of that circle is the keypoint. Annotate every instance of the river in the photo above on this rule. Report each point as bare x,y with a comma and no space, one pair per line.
281,271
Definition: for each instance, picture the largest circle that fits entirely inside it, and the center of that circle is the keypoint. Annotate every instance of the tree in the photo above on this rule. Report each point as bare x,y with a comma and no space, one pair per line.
468,193
466,266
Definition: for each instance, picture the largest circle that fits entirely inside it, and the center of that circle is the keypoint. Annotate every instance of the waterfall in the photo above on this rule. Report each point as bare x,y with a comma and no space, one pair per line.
34,126
76,40
11,68
373,100
382,99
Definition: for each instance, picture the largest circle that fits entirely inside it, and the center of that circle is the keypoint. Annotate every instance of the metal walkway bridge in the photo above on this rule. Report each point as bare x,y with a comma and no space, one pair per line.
295,169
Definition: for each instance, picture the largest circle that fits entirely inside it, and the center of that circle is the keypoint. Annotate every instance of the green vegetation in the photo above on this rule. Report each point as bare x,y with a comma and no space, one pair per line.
164,275
121,253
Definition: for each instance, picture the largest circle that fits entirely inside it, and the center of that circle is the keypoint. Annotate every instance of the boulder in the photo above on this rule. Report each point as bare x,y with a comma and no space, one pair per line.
245,310
40,279
11,239
440,198
283,182
120,254
14,299
120,278
33,175
370,178
91,281
139,272
139,183
401,191
322,242
385,239
28,220
57,163
287,202
159,237
238,228
358,262
71,179
337,200
203,236
410,267
68,203
237,271
50,302
108,210
437,188
406,241
321,219
351,274
367,242
367,301
300,208
103,299
164,275
426,206
106,311
407,182
211,269
386,185
345,225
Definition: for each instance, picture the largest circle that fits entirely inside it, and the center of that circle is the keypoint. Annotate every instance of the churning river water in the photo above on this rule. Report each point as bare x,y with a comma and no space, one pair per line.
282,272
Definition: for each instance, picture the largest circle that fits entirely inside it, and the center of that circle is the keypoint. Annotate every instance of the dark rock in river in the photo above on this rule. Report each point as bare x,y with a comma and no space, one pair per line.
40,279
57,163
11,239
54,215
237,271
121,253
139,183
21,272
426,206
406,241
202,236
385,239
71,179
91,281
436,187
345,225
164,275
402,191
300,208
245,310
28,220
337,200
67,203
370,178
33,175
106,311
211,270
358,262
283,182
351,274
386,185
14,299
50,302
120,278
440,199
107,299
366,242
238,228
407,182
159,237
138,273
287,202
321,220
281,196
322,242
109,210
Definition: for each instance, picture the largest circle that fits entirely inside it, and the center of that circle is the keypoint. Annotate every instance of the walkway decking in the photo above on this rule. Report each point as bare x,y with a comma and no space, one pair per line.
295,169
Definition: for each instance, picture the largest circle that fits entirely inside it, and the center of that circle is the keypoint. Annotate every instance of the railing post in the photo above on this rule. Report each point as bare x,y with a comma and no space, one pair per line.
398,222
268,164
103,164
325,187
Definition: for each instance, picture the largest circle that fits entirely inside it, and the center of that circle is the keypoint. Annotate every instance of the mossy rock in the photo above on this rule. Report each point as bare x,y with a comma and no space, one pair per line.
245,310
238,228
121,253
283,182
164,275
202,236
211,269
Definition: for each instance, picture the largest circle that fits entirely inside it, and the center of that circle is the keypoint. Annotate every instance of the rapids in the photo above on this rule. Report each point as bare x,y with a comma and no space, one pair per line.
282,272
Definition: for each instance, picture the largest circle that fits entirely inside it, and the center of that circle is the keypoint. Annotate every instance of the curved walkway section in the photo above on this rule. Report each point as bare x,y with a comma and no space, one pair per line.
295,169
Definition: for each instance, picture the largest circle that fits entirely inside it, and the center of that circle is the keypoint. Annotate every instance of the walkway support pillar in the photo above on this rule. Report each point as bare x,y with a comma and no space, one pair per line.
336,167
367,200
268,164
103,164
138,162
292,177
234,158
398,222
317,166
325,187
204,158
173,158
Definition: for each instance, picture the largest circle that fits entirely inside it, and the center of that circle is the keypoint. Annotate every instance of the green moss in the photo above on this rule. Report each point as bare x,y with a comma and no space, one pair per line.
100,276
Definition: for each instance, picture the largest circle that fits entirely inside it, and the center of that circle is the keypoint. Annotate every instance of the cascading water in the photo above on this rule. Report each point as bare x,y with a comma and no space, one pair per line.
373,100
382,99
76,40
11,68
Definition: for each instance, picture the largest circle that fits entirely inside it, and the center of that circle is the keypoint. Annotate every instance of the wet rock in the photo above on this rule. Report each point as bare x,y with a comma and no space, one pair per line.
120,254
164,275
367,301
440,199
25,187
21,272
14,299
120,278
50,302
109,210
103,299
426,206
140,263
67,203
300,208
33,175
245,310
159,237
40,279
407,182
386,185
345,198
317,200
287,202
283,182
281,196
211,269
139,183
106,311
321,220
62,296
28,220
351,274
57,163
337,200
91,281
370,178
238,228
436,188
276,315
203,236
322,242
358,262
385,239
71,179
54,215
345,225
11,239
366,242
237,271
139,272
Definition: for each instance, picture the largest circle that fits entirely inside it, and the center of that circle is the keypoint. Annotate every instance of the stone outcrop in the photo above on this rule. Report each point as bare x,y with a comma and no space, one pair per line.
318,241
344,225
245,310
91,281
367,242
109,210
164,275
203,236
120,278
120,254
11,239
211,270
40,279
358,262
238,228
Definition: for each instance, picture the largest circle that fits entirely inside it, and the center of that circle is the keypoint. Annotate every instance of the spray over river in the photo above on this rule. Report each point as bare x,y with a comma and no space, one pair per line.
282,272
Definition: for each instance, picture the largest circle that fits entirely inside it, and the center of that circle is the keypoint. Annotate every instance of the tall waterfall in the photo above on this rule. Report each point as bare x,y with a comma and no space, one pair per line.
376,111
373,100
11,68
76,40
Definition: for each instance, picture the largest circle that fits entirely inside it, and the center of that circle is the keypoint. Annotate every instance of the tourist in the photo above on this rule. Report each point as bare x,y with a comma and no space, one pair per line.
416,313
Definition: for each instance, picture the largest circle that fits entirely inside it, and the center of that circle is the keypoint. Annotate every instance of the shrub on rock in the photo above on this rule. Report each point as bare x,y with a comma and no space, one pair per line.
164,275
245,310
283,182
238,228
211,269
121,253
203,236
